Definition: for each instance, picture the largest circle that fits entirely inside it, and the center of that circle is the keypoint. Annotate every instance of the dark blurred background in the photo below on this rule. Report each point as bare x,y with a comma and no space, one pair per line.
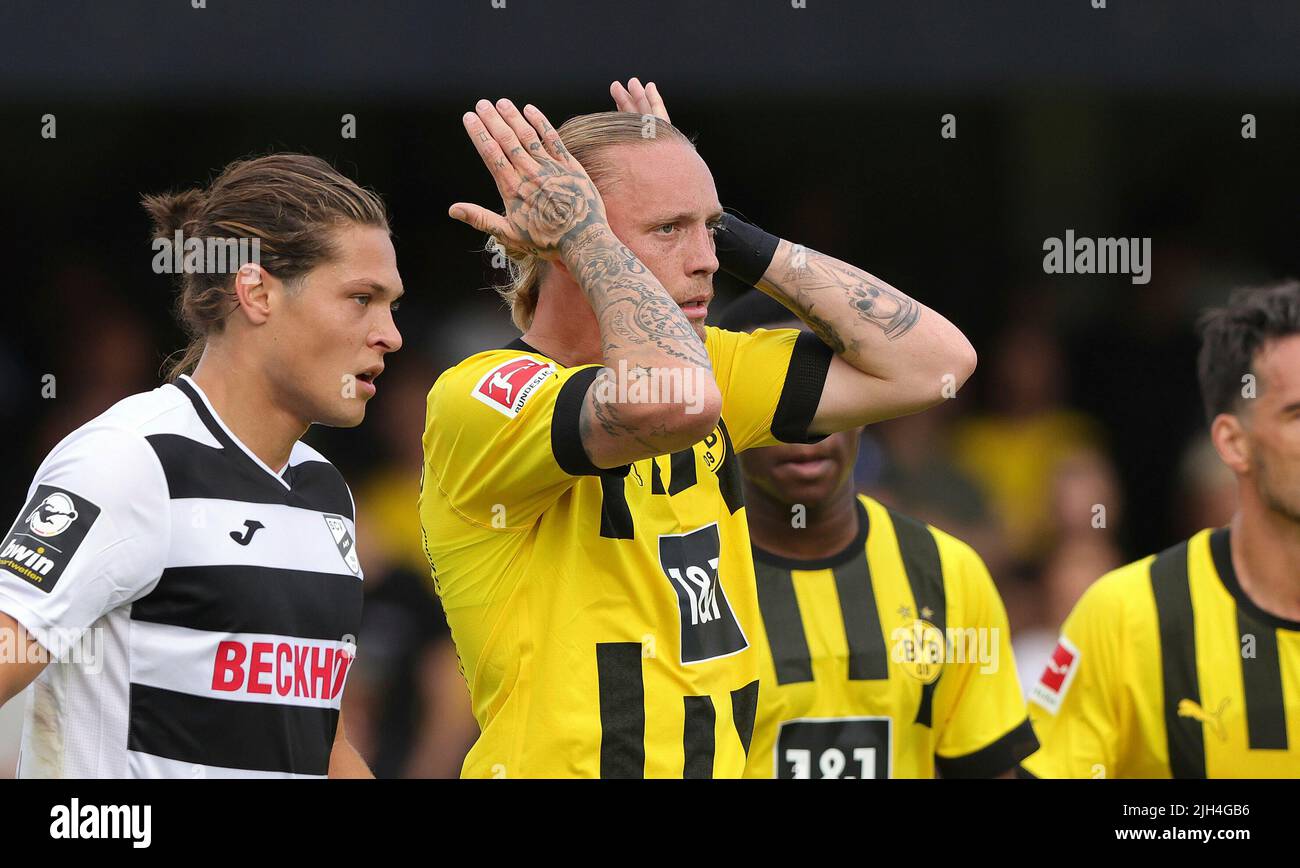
821,123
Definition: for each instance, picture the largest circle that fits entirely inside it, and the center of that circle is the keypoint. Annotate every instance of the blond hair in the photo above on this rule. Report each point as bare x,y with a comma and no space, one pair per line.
587,138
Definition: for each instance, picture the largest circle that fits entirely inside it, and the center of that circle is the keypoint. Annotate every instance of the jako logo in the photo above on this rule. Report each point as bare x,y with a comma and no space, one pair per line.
1098,256
103,821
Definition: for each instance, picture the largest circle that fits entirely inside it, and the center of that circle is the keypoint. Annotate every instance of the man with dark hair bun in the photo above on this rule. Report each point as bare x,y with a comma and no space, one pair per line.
181,594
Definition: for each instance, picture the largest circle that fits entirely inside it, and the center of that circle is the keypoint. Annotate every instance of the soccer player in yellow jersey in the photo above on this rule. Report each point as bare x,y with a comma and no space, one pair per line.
581,501
1186,664
886,651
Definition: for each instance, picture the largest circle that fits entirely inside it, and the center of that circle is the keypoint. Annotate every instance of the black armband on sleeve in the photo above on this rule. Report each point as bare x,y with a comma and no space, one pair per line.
744,250
566,438
1003,755
802,391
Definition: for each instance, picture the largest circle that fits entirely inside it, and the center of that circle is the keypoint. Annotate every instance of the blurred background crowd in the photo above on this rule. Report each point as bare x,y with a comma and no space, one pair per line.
1078,444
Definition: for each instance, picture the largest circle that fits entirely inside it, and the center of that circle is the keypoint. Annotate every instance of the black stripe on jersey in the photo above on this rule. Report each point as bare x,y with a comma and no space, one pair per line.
682,470
802,392
1173,594
241,735
1001,756
246,599
1261,675
697,736
744,708
1261,679
868,657
785,634
615,515
733,492
656,478
622,709
780,607
566,435
206,418
924,571
196,470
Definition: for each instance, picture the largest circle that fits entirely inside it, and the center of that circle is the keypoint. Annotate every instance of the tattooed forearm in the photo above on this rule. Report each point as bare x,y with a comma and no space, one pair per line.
812,277
608,416
631,305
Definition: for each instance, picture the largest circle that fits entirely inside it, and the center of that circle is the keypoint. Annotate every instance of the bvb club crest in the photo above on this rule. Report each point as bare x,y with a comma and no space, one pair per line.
918,649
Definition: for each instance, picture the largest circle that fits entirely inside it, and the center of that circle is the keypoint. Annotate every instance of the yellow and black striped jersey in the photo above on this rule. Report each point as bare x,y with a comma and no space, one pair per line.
1165,668
603,618
889,659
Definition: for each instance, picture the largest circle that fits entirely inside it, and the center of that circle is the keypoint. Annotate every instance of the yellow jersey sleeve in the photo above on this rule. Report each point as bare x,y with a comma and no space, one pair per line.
1075,704
983,724
501,440
771,382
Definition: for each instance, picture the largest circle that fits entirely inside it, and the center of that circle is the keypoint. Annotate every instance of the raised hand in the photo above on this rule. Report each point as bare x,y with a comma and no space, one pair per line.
549,199
635,98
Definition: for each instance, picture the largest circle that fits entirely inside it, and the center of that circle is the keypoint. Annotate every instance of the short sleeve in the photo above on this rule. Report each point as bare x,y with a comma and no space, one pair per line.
1073,705
501,436
92,536
984,728
771,382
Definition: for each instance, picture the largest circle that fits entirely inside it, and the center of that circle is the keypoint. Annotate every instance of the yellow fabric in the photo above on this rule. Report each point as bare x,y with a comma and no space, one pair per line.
530,587
1111,719
974,704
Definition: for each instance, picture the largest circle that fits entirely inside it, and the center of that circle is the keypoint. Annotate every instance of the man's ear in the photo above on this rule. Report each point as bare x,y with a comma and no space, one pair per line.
1231,442
253,291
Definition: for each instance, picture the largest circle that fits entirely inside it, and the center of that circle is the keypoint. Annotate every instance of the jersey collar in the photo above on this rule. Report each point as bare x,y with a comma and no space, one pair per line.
1221,553
218,428
855,549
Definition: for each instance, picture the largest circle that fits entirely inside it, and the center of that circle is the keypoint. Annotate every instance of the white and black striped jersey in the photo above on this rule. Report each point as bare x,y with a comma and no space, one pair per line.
201,608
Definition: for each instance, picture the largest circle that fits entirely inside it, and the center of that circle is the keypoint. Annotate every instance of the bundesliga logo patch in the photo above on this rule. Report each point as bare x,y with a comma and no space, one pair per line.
46,535
506,387
1050,690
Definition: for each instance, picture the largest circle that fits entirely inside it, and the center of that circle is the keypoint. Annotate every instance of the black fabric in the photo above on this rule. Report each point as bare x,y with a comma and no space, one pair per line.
262,736
733,490
744,250
744,709
924,570
786,638
697,736
251,599
622,709
1186,736
805,379
992,760
566,437
615,514
868,656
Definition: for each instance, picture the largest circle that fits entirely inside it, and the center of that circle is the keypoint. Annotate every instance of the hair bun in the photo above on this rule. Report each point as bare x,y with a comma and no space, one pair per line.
172,211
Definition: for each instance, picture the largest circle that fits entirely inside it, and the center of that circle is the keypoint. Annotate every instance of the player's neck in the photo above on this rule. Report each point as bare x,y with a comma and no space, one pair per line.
564,327
829,527
1266,557
247,408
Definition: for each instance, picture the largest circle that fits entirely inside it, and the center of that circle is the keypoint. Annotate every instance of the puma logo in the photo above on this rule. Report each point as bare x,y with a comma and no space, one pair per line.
1192,709
247,537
